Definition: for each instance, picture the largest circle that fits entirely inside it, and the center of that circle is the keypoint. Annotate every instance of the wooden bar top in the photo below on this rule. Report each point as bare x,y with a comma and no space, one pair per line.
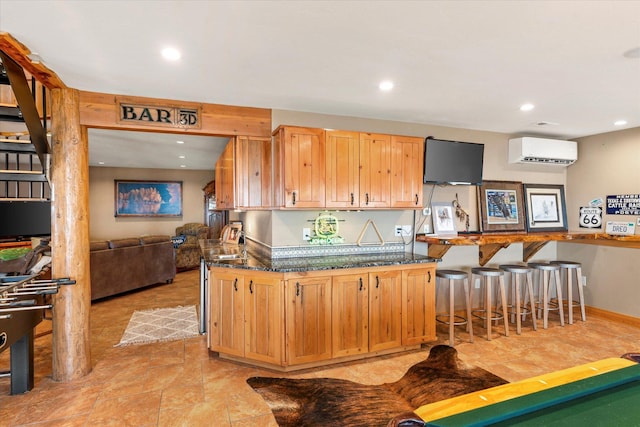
490,243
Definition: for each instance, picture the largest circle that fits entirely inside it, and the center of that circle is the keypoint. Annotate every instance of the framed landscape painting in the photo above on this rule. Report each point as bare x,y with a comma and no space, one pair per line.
148,198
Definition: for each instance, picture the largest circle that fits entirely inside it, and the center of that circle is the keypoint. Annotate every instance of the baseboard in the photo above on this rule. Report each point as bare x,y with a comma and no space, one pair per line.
613,316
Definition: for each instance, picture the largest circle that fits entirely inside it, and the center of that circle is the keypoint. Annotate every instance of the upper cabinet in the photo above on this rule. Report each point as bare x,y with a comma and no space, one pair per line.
299,167
342,174
407,165
243,174
375,170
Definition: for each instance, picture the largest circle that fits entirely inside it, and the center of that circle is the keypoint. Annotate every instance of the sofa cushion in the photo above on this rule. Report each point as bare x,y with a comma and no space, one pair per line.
99,245
123,243
147,240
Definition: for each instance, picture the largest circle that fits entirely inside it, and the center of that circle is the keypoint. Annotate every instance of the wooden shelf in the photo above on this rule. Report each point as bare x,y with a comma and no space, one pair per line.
490,244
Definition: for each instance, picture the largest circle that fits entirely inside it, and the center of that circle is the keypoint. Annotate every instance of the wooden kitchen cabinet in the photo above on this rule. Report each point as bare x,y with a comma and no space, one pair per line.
246,315
243,174
350,314
407,160
385,307
308,326
225,185
418,303
226,301
263,317
342,177
299,167
375,170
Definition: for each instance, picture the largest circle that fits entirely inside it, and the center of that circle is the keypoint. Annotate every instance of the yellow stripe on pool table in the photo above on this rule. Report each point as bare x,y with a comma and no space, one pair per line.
478,399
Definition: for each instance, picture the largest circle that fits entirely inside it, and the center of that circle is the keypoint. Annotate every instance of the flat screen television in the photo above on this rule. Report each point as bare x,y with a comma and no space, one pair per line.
452,162
20,219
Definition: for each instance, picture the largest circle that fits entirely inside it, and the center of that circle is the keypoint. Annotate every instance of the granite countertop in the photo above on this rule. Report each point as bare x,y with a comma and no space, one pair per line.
235,258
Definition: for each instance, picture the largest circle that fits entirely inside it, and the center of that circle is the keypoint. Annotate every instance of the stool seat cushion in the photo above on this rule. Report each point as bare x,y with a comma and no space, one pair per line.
486,271
515,268
452,274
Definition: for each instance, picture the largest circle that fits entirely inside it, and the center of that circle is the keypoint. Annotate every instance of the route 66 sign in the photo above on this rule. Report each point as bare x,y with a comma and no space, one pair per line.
590,217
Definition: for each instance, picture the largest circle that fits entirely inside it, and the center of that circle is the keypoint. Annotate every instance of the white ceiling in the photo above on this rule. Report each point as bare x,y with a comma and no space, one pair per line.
467,64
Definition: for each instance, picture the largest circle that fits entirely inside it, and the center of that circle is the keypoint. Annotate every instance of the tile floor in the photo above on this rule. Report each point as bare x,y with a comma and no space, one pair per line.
178,384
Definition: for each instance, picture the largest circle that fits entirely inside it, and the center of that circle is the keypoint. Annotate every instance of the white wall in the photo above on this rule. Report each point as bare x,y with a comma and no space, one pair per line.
608,164
103,224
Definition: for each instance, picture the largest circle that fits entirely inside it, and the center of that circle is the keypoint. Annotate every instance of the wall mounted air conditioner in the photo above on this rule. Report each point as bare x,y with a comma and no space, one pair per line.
530,150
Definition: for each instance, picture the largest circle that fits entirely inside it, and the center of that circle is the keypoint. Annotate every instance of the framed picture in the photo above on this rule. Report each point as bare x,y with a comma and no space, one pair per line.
546,209
443,219
501,206
231,233
148,198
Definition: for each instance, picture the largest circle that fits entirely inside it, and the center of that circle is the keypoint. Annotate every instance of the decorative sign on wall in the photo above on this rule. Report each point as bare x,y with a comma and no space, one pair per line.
590,217
623,204
620,228
326,230
163,116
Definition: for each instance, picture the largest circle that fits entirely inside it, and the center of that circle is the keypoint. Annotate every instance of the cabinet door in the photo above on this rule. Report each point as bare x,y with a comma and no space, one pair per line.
349,314
252,172
301,154
342,171
385,308
227,313
308,308
407,159
225,185
375,170
418,316
264,319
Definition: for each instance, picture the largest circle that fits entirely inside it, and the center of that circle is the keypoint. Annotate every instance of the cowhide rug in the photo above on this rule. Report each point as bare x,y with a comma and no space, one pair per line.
335,402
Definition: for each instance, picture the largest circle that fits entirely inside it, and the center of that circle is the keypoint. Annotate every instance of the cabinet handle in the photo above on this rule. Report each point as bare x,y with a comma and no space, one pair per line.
361,283
297,289
366,198
377,282
417,199
428,276
353,200
235,285
251,286
293,196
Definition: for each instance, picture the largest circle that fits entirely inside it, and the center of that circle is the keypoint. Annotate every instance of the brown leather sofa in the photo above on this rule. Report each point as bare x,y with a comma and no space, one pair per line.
122,265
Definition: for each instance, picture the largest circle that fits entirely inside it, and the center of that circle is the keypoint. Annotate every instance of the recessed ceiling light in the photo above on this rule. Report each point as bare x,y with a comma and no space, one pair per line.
179,142
171,54
183,166
181,157
527,107
386,85
101,163
620,122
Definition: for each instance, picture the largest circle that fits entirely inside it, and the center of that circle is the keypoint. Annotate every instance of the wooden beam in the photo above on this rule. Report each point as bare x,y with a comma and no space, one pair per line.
20,54
101,110
70,238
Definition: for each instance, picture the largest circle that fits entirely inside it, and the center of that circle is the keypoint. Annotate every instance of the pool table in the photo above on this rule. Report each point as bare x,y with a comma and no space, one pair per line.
602,393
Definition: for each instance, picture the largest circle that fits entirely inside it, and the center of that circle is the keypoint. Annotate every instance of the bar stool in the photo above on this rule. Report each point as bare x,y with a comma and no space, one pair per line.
543,283
450,277
567,269
518,274
484,276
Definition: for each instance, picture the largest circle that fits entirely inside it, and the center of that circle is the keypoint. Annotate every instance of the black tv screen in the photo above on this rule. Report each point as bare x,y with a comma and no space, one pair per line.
25,219
452,162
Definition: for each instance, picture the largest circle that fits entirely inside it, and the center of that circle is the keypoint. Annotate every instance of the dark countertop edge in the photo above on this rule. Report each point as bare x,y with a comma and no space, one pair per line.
255,263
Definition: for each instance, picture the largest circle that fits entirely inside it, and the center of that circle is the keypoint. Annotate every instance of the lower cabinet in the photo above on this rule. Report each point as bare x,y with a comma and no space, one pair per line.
246,315
291,321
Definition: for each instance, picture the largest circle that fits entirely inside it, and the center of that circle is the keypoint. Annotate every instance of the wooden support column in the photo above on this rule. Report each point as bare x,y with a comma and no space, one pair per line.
70,237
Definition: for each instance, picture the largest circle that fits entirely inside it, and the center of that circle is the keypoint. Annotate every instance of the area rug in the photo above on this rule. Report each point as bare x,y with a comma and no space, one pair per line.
160,324
330,401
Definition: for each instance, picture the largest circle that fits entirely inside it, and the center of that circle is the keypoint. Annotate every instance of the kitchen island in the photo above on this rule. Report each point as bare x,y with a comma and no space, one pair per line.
296,313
